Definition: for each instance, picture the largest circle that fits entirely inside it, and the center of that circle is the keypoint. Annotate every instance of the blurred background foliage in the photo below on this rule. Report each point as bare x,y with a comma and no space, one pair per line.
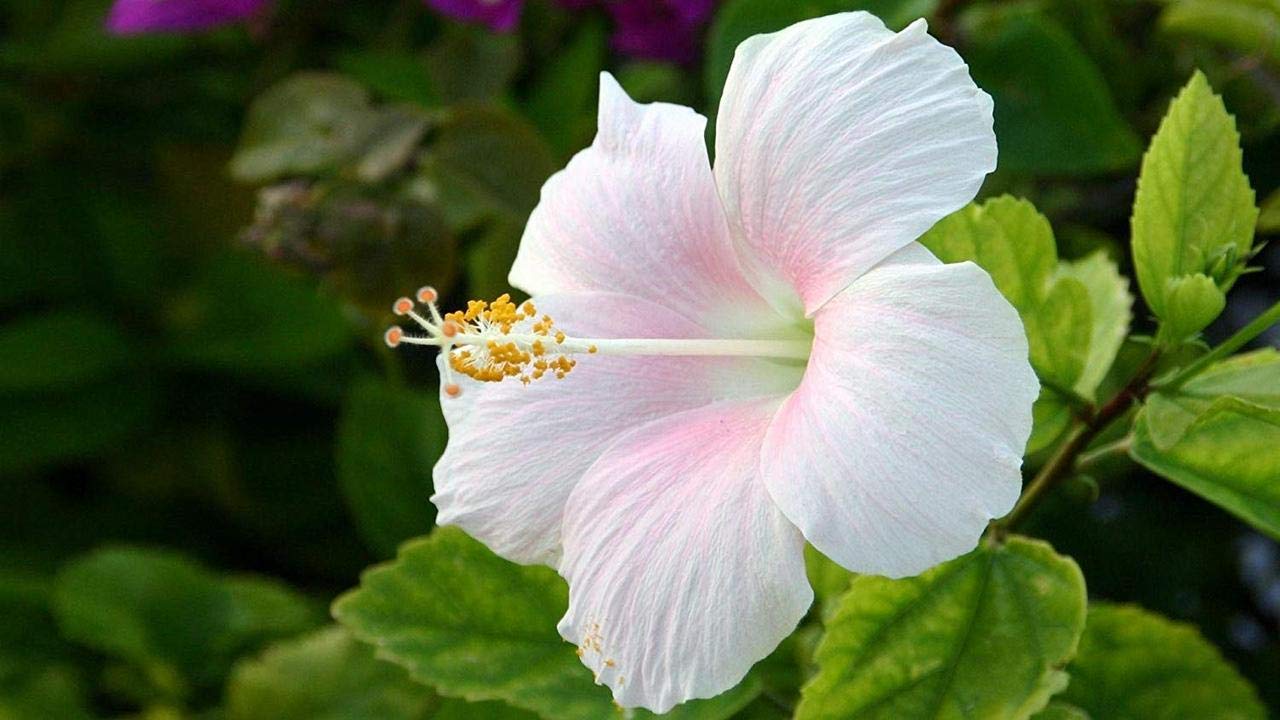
203,440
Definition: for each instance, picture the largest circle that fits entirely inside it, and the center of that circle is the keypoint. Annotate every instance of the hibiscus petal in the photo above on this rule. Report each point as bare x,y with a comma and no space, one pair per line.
838,142
515,451
682,572
637,213
906,434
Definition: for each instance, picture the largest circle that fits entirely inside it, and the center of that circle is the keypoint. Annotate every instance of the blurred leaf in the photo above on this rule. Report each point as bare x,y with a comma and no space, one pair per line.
829,580
308,123
737,20
325,675
1250,27
490,257
1193,202
454,709
1216,436
494,154
388,441
472,63
1269,214
1053,111
29,641
244,315
1076,314
982,636
395,76
1061,711
392,138
75,423
173,619
59,349
1135,664
657,82
51,694
78,44
473,625
559,101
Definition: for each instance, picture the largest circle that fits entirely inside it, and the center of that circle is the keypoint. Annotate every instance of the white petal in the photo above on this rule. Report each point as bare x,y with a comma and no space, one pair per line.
838,142
637,213
516,451
682,573
907,432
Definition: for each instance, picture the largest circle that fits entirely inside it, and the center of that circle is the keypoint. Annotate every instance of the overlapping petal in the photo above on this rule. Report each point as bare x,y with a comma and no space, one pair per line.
637,213
839,142
515,451
682,572
906,434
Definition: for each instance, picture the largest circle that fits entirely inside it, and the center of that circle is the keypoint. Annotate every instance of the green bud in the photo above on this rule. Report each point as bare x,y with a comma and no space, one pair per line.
1191,302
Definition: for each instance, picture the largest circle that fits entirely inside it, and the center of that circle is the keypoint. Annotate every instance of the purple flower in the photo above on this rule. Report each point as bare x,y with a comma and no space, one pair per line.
131,17
499,15
651,29
659,29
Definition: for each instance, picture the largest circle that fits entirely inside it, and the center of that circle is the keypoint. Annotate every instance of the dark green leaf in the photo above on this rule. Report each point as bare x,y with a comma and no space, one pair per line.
325,675
1053,110
171,617
1134,664
306,124
59,349
982,636
559,101
388,441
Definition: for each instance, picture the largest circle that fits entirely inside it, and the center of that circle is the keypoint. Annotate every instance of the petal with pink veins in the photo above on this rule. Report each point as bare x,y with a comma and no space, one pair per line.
682,572
906,435
839,142
515,451
637,213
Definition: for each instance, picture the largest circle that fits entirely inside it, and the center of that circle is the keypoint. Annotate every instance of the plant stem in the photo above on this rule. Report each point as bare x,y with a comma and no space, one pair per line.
1087,460
1063,462
1255,328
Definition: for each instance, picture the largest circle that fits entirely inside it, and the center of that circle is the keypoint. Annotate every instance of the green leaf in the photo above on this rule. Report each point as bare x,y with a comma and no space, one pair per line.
1250,27
470,63
982,636
52,694
1076,314
1053,110
737,20
559,101
308,123
472,625
388,440
245,315
829,580
1051,416
328,675
1009,238
454,709
475,626
1061,711
396,76
173,619
390,142
1134,664
1112,307
1226,455
1193,202
1269,214
59,349
1059,331
495,155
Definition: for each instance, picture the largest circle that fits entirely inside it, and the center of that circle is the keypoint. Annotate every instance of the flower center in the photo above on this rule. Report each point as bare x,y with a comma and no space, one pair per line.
494,341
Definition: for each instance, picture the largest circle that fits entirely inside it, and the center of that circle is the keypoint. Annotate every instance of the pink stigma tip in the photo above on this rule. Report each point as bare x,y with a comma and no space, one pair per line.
393,336
427,294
